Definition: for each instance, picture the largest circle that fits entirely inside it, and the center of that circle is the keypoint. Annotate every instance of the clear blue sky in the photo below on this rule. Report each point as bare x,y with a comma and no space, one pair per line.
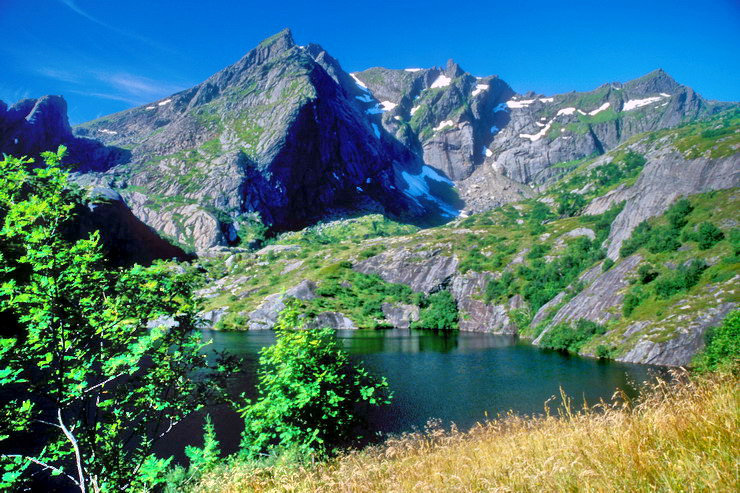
108,55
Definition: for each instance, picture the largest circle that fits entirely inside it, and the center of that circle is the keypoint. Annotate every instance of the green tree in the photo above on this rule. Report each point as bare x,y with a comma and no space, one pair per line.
708,235
309,393
722,351
439,311
97,360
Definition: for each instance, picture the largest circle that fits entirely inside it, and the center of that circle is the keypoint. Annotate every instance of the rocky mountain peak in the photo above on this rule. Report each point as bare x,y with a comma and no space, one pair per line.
453,69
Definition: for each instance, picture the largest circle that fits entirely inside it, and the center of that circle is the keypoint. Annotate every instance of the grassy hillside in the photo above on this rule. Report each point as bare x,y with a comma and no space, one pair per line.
679,437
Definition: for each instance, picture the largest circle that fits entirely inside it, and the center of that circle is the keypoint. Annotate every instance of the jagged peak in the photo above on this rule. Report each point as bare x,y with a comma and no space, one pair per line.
453,69
283,39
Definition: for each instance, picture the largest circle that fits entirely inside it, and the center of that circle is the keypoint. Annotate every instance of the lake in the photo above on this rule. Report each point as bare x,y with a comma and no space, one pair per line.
457,377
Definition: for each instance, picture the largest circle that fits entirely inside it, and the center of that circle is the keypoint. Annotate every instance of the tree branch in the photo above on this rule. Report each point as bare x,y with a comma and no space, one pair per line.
78,457
43,465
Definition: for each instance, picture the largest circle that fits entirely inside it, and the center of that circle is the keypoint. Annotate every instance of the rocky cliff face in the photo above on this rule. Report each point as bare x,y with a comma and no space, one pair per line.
496,144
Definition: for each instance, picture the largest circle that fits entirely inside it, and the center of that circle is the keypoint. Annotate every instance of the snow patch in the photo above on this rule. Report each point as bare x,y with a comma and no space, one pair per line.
106,131
547,100
387,105
639,103
359,83
359,189
501,107
487,152
495,129
599,109
335,176
417,187
412,69
566,111
376,130
166,101
413,110
369,180
365,98
665,95
479,88
519,104
539,124
374,111
446,123
442,81
151,107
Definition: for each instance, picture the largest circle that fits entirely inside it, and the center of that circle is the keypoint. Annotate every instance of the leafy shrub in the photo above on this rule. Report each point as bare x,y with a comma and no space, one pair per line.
564,337
308,393
439,311
498,289
570,204
604,352
608,264
646,274
682,279
708,235
722,350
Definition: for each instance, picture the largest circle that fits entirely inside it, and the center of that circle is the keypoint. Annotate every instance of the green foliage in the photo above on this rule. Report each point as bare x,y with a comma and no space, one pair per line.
722,350
708,235
438,311
99,360
542,281
501,289
646,274
201,460
682,279
608,264
659,239
308,393
570,204
564,337
359,296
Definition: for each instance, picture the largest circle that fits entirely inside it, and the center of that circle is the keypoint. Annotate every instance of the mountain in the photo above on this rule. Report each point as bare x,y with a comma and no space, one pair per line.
496,145
283,133
285,138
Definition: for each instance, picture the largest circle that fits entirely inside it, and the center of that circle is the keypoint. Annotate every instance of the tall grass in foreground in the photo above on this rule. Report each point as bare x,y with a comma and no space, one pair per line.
680,437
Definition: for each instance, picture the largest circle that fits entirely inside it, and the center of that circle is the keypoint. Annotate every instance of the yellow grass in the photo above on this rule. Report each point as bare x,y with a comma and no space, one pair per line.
680,437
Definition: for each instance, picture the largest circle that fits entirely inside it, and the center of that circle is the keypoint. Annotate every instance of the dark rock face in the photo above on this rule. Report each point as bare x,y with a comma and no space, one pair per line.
33,126
125,239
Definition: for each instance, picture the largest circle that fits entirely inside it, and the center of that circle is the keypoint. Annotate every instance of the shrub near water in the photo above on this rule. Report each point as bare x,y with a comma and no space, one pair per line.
308,392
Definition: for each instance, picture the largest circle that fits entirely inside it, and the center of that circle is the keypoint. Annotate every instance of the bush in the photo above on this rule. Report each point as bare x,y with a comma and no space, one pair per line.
722,350
439,311
563,337
608,264
570,204
682,279
308,393
708,235
646,274
499,289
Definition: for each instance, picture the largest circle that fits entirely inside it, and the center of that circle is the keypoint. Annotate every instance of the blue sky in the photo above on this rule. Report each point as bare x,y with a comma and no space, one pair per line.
108,55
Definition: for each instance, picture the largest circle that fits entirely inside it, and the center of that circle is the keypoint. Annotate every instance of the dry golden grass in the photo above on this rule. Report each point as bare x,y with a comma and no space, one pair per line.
680,437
